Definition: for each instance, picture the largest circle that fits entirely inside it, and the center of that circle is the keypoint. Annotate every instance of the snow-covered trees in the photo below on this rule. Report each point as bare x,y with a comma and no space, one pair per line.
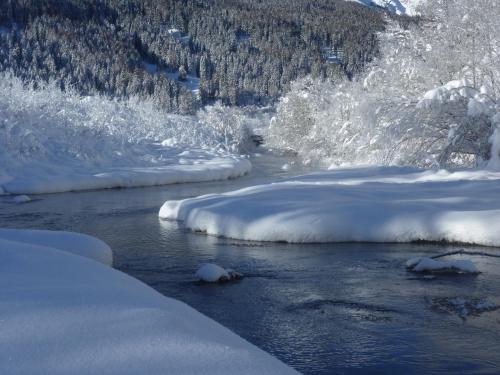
228,125
42,125
431,99
243,51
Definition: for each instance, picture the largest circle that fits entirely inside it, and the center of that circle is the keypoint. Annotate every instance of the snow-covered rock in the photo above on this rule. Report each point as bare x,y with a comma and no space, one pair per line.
71,242
363,204
464,307
212,273
20,198
430,265
65,314
410,263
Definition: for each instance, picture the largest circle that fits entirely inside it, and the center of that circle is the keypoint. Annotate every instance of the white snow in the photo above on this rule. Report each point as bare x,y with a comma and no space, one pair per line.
406,7
410,263
53,142
174,31
192,82
449,92
211,273
184,169
426,264
74,243
363,204
65,314
494,162
20,198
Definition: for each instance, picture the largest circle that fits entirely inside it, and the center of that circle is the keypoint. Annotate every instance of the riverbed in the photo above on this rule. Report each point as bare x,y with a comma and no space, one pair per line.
347,308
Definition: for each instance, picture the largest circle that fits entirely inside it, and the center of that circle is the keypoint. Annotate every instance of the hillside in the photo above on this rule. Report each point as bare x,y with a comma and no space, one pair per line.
183,54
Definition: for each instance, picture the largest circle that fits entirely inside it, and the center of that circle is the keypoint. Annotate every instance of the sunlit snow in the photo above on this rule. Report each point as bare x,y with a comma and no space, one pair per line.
364,204
65,314
52,141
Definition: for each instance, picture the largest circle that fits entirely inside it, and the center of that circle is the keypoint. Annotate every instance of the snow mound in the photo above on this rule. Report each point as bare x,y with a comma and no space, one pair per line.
64,314
364,204
212,273
430,265
209,167
74,243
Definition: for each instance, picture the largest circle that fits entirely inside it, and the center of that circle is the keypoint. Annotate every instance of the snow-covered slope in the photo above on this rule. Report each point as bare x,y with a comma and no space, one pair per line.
367,204
65,314
407,7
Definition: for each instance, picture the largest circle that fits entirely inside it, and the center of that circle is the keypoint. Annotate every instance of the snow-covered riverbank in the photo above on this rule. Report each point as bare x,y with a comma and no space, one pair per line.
53,141
182,167
344,205
63,313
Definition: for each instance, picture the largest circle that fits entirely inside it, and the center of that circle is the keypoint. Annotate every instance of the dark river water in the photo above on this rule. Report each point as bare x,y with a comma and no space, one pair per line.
323,309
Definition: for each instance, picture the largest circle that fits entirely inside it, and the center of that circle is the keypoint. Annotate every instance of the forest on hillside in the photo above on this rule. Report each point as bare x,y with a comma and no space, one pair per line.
183,54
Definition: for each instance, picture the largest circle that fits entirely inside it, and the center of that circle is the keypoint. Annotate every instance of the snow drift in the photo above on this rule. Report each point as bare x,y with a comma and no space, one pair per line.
64,314
365,204
74,243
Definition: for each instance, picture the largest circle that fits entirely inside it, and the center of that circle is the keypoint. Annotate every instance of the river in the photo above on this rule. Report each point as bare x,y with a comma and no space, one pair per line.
323,309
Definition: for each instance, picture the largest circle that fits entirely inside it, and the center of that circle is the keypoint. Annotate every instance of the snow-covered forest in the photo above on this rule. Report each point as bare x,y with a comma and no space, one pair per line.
183,54
430,99
423,92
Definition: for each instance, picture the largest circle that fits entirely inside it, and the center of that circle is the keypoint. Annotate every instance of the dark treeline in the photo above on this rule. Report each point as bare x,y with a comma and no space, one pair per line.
239,51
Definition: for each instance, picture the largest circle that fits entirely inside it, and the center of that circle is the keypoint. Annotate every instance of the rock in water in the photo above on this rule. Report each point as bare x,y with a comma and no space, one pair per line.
212,273
21,199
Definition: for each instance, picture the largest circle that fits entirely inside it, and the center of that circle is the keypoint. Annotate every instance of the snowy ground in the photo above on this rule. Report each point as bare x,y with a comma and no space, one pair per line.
364,204
192,83
52,141
178,167
74,243
67,314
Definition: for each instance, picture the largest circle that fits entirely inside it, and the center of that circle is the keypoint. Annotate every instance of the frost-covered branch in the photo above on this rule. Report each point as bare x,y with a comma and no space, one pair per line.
429,100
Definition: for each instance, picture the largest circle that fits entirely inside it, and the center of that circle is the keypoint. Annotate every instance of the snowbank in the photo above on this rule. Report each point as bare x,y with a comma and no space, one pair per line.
365,204
64,314
53,141
426,264
210,168
74,243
